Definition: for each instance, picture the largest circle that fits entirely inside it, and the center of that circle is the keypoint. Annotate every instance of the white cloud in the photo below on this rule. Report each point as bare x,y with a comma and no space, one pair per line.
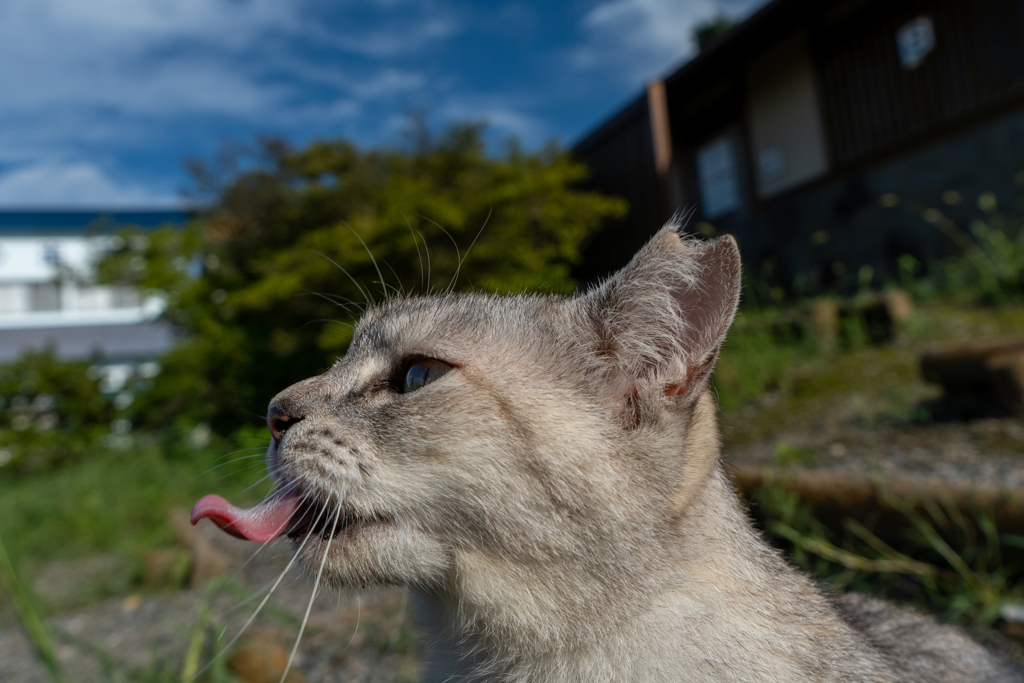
640,39
168,57
402,38
76,184
388,82
126,76
60,53
227,21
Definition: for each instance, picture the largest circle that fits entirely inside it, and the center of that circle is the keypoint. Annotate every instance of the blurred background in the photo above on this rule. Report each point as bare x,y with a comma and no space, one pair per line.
197,196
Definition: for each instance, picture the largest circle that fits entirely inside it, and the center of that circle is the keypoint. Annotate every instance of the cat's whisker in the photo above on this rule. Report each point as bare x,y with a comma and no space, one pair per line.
254,484
400,289
261,553
367,299
312,596
385,286
359,616
426,248
228,462
405,554
241,450
415,241
372,259
330,320
458,253
244,468
267,597
463,257
340,301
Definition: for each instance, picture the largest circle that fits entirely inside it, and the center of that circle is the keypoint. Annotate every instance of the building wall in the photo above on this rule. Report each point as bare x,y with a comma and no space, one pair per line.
873,102
804,235
106,343
622,164
787,138
826,113
49,297
46,281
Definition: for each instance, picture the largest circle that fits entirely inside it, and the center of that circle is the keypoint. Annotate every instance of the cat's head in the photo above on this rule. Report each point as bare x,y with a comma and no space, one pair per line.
472,443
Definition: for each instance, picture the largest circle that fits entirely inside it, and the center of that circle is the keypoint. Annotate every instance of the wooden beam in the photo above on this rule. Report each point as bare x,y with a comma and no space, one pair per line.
661,141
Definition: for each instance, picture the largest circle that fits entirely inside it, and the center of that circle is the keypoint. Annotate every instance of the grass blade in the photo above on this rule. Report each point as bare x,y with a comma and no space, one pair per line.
29,617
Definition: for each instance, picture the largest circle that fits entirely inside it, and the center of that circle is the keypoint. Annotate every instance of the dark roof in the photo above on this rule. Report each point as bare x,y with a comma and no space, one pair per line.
83,221
722,55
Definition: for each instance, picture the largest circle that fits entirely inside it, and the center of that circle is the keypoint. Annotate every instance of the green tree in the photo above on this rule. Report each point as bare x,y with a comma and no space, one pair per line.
51,412
707,30
292,247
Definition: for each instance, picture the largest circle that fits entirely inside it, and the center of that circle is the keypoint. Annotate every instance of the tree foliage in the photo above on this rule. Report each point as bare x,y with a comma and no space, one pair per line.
266,283
707,30
51,412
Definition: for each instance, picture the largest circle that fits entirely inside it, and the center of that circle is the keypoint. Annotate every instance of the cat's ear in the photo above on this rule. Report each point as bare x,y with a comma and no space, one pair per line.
661,320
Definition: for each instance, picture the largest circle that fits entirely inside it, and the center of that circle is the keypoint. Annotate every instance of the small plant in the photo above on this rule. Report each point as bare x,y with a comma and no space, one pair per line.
939,558
987,263
29,616
786,455
51,412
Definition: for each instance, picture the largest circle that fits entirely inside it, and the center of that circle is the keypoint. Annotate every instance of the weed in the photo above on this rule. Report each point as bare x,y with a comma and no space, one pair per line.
948,562
115,502
29,616
786,455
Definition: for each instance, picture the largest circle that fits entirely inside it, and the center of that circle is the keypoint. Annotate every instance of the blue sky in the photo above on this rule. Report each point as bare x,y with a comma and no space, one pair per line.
104,99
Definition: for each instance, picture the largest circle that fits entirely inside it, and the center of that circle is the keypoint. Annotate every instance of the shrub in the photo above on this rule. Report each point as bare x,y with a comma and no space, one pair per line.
51,412
268,281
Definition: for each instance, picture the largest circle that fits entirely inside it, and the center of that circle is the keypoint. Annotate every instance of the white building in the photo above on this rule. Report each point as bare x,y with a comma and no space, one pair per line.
40,305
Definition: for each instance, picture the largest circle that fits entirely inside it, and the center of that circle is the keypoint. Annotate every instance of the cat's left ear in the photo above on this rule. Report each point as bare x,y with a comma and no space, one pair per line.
661,320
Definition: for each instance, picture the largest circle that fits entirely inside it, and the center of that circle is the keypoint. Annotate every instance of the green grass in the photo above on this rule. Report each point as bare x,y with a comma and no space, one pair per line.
30,616
944,560
769,379
116,502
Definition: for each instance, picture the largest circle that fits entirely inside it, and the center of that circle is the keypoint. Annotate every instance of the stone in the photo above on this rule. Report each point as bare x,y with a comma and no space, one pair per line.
881,315
166,567
987,372
837,495
262,658
824,320
68,583
207,560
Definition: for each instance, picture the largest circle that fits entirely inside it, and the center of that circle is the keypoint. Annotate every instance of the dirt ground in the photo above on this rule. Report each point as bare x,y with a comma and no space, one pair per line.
985,452
145,637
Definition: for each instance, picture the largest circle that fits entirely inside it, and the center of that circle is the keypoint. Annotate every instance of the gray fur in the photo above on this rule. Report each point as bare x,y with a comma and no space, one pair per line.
559,499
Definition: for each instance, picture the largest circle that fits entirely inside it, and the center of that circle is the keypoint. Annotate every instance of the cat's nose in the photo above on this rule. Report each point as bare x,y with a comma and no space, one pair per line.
280,422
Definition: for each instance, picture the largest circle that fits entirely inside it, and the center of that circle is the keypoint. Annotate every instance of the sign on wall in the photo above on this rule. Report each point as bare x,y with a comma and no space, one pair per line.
915,40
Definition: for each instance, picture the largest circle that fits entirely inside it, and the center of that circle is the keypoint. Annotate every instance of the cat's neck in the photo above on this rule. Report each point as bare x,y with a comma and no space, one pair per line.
712,596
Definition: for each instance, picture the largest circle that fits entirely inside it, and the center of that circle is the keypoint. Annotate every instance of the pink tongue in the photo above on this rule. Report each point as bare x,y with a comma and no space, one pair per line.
262,523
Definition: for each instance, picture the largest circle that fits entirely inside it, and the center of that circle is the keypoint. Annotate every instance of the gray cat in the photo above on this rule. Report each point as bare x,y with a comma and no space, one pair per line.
546,473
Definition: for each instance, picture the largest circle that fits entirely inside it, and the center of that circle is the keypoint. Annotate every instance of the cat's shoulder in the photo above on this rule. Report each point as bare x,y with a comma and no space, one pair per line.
923,648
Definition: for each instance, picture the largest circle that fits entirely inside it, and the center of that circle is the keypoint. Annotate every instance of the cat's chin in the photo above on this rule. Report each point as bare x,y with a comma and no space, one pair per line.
372,553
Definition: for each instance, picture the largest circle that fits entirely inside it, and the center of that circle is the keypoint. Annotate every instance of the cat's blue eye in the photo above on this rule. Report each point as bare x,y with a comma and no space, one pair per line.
423,373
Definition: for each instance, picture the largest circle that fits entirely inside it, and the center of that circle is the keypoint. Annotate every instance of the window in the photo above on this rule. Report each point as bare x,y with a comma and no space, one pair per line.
12,298
718,175
51,253
44,296
126,297
89,298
